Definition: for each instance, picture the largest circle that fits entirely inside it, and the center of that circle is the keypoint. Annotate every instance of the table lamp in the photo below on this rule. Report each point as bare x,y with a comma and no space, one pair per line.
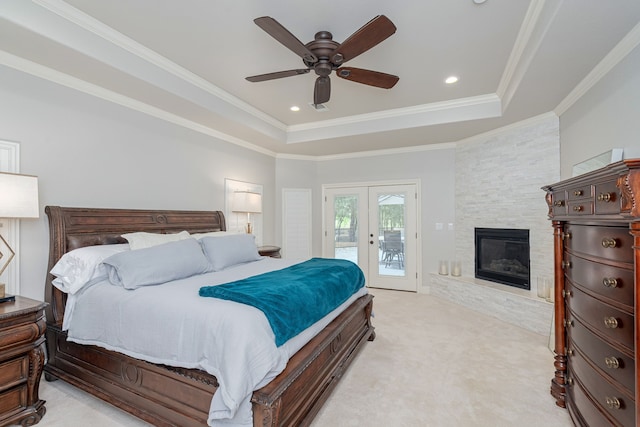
247,202
18,199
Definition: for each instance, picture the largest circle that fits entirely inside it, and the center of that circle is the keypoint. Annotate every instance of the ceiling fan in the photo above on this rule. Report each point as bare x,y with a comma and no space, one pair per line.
324,55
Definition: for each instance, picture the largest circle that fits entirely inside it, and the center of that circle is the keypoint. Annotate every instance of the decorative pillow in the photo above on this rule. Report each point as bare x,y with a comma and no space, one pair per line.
157,264
83,266
214,234
141,239
226,251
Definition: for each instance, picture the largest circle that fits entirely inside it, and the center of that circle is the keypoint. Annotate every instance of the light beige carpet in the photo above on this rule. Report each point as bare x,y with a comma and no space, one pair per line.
433,363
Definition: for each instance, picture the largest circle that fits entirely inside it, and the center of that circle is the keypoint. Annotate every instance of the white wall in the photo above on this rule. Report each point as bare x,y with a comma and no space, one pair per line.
435,169
605,117
91,153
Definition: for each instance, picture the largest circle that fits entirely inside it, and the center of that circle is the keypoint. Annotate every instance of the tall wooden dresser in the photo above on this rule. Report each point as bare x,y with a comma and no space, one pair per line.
596,223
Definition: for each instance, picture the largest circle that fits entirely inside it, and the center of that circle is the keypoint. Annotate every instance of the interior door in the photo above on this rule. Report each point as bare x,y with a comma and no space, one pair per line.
375,227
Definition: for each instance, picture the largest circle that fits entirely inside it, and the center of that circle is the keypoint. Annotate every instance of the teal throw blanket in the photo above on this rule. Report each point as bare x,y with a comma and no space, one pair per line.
295,297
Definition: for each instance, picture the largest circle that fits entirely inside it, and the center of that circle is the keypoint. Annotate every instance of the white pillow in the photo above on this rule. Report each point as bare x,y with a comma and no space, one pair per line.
199,236
83,266
141,239
227,251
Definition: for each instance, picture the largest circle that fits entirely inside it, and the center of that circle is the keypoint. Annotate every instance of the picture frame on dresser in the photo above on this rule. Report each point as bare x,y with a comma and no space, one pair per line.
596,225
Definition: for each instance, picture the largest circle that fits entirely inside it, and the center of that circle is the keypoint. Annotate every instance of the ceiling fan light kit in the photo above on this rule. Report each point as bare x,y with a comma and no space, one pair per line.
324,55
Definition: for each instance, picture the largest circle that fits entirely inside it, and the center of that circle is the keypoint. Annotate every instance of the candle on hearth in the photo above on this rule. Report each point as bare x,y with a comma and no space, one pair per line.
444,268
456,268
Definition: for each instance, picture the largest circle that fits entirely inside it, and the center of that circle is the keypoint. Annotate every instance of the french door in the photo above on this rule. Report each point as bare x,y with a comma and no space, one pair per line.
375,227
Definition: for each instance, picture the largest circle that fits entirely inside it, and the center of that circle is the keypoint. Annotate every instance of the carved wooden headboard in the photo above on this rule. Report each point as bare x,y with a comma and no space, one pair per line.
72,228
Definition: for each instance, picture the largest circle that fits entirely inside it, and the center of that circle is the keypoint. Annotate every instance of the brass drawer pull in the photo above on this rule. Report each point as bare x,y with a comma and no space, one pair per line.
604,197
568,323
611,322
578,208
578,193
559,203
570,381
612,402
569,352
566,235
612,362
566,264
566,293
610,282
608,242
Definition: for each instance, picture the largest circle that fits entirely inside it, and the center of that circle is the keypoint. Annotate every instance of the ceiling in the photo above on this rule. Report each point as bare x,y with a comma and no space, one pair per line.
186,62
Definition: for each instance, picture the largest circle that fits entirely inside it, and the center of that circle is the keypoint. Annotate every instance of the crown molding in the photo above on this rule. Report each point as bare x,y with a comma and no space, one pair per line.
537,21
472,108
613,58
57,77
81,19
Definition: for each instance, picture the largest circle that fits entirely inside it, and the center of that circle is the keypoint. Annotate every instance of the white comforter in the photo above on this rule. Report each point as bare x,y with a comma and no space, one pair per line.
171,324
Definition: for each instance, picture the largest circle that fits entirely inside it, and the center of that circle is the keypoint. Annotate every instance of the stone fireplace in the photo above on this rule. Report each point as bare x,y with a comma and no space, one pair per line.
502,256
499,177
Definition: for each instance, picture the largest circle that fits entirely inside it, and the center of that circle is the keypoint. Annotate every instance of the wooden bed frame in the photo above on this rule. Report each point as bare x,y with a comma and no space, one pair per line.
168,396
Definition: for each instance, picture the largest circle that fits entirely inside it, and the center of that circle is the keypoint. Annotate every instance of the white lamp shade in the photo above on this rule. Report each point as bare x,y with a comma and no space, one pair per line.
246,201
18,196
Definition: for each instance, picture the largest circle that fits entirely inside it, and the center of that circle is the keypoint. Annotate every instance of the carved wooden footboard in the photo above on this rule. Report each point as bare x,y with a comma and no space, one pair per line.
167,396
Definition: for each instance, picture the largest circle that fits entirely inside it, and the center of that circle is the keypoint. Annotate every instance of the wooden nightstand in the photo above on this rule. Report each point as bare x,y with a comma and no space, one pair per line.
270,251
22,327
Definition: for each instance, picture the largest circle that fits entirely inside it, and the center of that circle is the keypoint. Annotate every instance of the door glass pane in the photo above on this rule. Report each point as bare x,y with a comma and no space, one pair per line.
346,226
391,215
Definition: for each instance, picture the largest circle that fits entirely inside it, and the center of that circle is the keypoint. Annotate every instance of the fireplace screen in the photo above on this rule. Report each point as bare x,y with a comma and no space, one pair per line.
502,256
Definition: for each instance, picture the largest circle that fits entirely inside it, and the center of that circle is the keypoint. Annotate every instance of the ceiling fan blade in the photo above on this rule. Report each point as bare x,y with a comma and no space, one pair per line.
276,75
371,33
368,77
280,33
322,90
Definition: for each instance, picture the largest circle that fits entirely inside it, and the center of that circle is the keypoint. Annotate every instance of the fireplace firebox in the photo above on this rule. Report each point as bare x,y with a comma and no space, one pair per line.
502,256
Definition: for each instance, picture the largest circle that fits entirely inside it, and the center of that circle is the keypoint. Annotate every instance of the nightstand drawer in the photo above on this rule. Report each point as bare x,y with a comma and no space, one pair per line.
14,372
20,335
13,401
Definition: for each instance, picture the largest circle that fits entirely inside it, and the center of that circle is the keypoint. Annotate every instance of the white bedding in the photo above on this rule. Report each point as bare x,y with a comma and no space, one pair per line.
171,324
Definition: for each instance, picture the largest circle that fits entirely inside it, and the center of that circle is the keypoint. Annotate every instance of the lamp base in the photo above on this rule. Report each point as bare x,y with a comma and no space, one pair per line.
7,298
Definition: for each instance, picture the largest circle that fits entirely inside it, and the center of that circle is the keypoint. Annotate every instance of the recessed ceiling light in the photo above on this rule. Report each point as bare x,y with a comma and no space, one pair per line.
479,1
295,108
451,80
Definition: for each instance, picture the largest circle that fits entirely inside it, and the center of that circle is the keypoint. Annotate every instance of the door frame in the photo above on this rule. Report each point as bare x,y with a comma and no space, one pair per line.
415,182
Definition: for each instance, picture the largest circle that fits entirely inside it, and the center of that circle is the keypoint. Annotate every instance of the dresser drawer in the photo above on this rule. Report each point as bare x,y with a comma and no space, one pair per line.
613,363
14,372
614,283
607,198
617,404
580,192
581,207
613,324
611,243
579,402
559,200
